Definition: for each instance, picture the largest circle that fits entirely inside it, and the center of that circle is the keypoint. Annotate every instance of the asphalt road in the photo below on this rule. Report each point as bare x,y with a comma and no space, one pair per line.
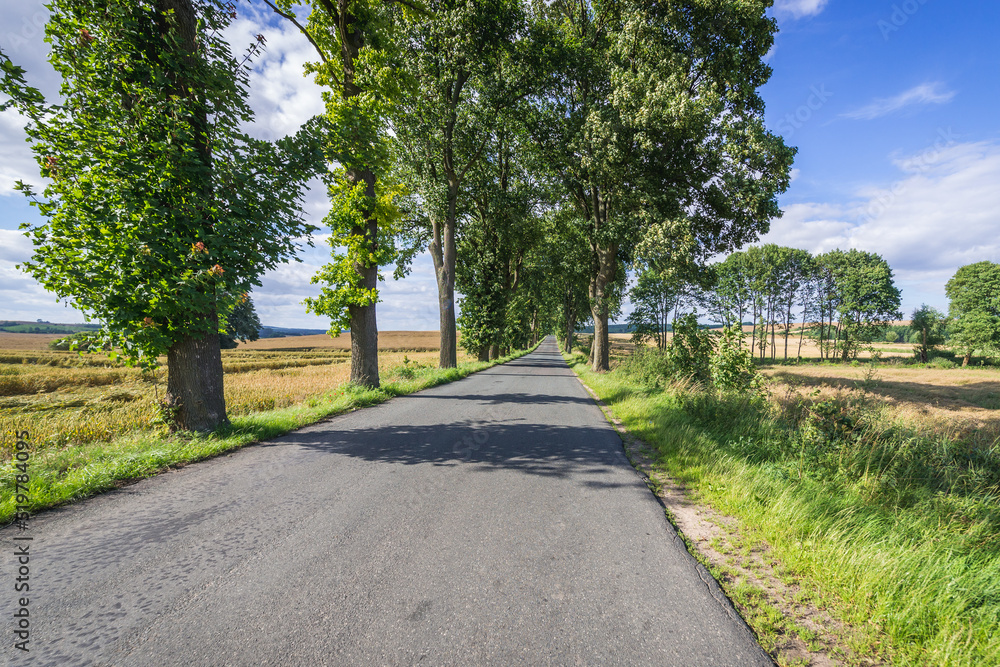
491,521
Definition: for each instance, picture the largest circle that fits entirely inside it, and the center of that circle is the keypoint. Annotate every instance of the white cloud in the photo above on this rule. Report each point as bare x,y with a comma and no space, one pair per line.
799,8
21,38
281,96
409,304
926,93
926,225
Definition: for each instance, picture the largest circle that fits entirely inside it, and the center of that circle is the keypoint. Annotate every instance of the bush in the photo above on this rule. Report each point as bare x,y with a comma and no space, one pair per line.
650,367
691,350
732,366
697,356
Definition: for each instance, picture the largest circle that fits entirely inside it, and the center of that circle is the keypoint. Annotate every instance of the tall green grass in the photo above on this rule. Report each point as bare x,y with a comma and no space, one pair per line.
899,528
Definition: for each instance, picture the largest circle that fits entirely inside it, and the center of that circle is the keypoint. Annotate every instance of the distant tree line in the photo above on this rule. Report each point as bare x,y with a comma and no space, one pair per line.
844,300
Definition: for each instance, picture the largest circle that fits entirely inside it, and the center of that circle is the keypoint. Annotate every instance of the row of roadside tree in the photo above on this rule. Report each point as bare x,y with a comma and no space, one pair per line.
842,300
532,149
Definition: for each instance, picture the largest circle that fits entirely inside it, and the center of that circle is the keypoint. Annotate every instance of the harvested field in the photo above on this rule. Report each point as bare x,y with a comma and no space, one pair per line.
954,401
67,399
387,340
20,342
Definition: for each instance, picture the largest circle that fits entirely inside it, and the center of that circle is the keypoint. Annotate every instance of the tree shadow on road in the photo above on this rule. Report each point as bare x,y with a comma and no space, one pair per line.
534,449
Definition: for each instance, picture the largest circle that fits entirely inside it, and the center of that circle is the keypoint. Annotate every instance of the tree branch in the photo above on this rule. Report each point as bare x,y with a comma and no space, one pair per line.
291,17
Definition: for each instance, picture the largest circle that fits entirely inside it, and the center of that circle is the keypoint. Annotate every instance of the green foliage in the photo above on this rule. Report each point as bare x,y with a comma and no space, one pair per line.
156,202
928,327
81,341
974,292
732,367
241,324
765,285
898,334
864,297
456,144
848,296
499,260
687,358
691,349
655,299
19,94
653,123
357,41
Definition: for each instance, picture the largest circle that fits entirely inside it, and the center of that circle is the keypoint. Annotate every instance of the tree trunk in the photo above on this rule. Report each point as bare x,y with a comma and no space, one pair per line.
195,392
484,353
788,327
442,249
364,327
194,382
774,350
494,351
600,358
802,334
570,321
606,259
967,359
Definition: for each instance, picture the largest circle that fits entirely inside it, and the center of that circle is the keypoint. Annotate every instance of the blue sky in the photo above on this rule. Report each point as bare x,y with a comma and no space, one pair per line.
892,105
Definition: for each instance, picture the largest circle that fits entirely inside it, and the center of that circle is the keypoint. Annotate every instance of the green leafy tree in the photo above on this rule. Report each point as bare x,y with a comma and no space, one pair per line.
974,293
157,204
731,299
359,48
241,324
460,56
653,120
655,298
499,234
929,325
567,254
796,270
866,297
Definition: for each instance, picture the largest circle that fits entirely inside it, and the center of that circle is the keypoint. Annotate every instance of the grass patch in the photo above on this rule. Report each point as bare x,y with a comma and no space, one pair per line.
897,529
61,474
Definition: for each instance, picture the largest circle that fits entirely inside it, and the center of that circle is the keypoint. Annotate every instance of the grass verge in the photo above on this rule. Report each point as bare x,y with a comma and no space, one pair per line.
899,534
75,472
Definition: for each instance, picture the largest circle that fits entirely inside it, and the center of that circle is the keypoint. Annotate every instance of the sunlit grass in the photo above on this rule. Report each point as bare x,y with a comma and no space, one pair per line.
898,525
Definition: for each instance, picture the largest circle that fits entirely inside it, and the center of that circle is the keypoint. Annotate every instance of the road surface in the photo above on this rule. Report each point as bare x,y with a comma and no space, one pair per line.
491,521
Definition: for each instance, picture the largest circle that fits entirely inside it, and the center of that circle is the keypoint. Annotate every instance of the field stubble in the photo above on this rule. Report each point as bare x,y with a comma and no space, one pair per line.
65,399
